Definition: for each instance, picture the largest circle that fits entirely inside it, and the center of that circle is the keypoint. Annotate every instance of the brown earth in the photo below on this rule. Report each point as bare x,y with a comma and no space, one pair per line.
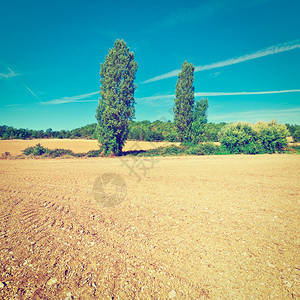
15,147
219,227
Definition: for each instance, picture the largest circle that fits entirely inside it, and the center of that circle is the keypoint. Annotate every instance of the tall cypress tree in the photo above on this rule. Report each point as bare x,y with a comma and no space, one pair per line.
116,104
184,102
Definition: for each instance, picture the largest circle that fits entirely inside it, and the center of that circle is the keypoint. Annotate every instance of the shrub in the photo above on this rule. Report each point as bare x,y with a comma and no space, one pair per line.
94,153
39,150
239,138
6,155
59,152
261,137
293,149
296,136
209,148
28,151
201,149
36,150
271,136
161,151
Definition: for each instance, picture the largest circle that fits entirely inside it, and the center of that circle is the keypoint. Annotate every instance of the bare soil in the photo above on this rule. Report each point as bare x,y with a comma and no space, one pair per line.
219,227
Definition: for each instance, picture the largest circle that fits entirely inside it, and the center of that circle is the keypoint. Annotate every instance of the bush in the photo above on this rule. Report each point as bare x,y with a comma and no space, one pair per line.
59,152
185,148
296,136
6,155
94,153
239,138
200,149
271,136
28,150
39,150
261,137
161,151
36,150
293,149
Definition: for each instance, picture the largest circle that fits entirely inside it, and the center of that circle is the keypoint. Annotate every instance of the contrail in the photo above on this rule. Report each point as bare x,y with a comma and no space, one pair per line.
80,98
261,53
213,94
71,99
32,93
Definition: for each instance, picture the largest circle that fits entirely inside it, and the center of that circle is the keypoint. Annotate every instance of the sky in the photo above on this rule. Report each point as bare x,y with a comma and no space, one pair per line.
246,56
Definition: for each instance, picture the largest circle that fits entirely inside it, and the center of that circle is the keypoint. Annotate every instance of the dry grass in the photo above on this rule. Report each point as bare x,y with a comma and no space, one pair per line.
224,227
15,147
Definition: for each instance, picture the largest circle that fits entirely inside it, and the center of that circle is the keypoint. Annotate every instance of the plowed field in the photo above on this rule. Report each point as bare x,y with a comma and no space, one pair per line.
219,227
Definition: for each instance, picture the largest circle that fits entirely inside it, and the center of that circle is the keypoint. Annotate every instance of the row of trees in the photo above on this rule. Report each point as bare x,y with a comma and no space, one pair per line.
9,132
167,131
138,130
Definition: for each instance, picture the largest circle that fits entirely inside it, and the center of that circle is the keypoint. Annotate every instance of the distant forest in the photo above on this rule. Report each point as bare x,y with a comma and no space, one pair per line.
141,131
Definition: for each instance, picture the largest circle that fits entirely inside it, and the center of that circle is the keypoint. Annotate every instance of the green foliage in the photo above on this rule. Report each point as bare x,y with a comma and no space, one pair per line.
86,132
40,151
94,153
271,136
199,121
296,136
36,150
140,131
207,148
186,148
184,102
155,131
60,152
239,138
242,137
116,104
294,131
161,151
293,149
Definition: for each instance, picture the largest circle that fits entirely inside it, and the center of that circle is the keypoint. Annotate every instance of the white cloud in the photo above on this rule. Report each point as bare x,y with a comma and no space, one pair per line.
8,75
213,94
72,99
261,53
11,105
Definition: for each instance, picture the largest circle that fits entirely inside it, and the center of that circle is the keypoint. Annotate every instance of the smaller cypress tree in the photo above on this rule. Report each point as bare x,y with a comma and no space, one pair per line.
184,102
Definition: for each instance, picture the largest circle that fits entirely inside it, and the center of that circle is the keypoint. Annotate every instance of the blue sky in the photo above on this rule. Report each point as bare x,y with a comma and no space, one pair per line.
246,54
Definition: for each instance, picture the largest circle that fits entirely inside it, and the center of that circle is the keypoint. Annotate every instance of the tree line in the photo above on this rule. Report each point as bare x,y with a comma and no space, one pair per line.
9,132
138,130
